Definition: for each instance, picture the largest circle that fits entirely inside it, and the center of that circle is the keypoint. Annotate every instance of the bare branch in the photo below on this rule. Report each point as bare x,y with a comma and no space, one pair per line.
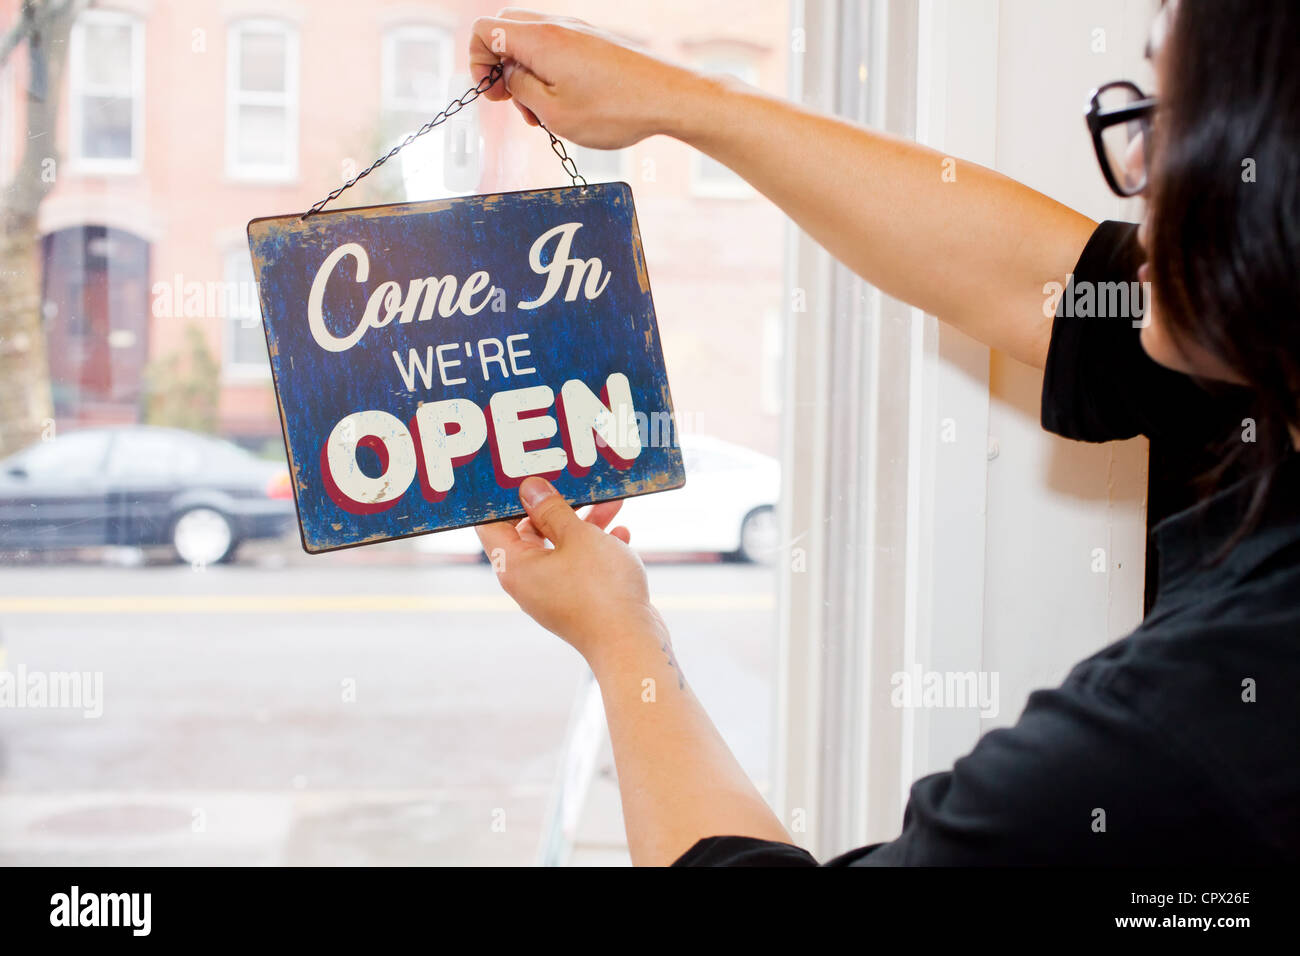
19,32
35,16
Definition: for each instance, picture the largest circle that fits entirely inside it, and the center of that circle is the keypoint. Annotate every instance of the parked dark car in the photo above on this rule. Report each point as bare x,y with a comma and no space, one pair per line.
141,486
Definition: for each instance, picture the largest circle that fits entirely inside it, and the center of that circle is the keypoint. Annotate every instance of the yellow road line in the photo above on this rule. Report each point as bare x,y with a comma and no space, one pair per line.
334,603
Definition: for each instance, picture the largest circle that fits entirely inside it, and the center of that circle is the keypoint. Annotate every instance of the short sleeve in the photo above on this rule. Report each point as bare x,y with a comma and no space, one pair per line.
1098,383
744,851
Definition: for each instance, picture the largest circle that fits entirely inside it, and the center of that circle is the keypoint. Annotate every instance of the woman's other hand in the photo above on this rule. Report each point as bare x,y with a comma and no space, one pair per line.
678,780
590,588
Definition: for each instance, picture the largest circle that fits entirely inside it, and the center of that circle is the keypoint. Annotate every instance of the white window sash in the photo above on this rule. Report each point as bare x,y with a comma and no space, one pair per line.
237,98
79,90
232,368
392,102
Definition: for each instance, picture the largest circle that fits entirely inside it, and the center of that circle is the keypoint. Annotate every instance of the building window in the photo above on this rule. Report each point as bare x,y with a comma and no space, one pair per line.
599,165
416,79
262,101
106,82
415,85
709,178
243,342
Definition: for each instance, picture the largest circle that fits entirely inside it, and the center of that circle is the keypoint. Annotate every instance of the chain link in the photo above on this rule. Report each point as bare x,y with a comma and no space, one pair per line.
454,107
566,160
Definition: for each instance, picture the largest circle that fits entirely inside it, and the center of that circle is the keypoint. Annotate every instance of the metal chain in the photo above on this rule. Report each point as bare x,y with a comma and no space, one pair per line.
566,160
454,107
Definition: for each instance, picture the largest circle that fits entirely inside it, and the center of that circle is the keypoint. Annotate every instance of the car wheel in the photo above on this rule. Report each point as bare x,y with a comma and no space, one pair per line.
759,536
203,536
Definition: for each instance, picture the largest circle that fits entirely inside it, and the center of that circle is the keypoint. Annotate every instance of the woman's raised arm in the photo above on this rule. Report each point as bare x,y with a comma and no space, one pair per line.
972,246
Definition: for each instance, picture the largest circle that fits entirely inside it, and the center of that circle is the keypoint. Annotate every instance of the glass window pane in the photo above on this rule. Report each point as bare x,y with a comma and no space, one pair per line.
147,455
106,52
164,302
66,457
245,342
106,123
418,70
598,165
711,170
397,124
262,62
263,135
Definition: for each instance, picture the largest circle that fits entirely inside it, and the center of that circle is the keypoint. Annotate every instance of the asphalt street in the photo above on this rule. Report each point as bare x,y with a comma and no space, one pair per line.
367,707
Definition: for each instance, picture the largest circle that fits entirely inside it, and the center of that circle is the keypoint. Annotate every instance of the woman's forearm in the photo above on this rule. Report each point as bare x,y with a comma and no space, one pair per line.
678,780
956,239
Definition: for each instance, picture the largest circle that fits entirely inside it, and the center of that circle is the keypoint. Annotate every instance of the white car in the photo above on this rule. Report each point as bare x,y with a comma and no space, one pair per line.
727,507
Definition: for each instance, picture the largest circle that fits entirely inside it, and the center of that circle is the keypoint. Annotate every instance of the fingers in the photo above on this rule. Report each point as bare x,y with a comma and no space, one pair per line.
529,535
602,514
599,515
500,39
528,92
555,515
499,535
529,116
548,512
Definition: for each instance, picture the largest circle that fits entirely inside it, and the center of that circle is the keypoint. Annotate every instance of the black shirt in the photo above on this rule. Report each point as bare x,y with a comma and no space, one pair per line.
1183,738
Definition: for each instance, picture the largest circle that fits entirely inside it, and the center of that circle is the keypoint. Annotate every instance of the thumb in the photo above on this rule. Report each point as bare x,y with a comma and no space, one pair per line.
547,509
526,89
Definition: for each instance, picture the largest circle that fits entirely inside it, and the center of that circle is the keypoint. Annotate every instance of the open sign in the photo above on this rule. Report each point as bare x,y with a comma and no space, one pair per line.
428,357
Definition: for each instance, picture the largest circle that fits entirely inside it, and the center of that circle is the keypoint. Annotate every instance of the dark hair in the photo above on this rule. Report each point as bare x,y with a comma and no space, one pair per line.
1224,226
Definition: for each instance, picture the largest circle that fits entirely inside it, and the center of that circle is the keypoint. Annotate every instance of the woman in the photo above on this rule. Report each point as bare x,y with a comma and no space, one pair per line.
1175,744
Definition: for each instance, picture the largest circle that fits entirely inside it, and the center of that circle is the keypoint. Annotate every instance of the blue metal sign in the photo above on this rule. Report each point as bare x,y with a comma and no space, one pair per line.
429,356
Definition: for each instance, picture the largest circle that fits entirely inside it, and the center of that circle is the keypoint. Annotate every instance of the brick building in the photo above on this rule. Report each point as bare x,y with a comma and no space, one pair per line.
181,121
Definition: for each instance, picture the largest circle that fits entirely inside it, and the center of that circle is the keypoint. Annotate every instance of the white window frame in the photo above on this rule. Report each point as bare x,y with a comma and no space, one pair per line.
233,370
237,97
429,153
391,102
79,162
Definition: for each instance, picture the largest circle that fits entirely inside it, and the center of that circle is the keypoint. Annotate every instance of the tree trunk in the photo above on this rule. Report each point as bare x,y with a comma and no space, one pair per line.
26,407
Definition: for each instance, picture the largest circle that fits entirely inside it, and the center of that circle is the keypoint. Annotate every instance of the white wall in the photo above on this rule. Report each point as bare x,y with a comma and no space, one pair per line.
1005,83
1014,522
1051,502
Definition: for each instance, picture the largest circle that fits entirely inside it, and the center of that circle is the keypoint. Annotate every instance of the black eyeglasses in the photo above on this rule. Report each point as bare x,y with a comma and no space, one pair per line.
1119,118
